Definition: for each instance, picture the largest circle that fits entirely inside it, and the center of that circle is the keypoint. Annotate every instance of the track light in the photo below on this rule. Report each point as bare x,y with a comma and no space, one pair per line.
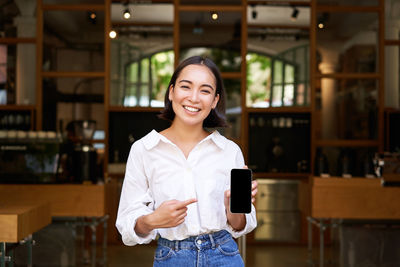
127,13
295,13
214,15
322,19
254,12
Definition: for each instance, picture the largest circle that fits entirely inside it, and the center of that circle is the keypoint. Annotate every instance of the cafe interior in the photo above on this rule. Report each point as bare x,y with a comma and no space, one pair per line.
312,99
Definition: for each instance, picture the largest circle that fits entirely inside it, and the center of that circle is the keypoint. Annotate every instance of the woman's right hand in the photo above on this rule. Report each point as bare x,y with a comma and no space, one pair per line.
170,213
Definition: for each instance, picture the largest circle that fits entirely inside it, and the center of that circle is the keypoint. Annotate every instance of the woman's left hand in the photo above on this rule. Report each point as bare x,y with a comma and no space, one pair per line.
254,190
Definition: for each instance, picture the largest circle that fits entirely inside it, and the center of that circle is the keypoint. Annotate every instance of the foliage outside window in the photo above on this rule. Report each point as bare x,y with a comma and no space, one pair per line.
147,80
281,80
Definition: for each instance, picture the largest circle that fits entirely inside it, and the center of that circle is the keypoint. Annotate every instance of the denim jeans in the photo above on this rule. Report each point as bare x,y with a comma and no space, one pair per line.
216,249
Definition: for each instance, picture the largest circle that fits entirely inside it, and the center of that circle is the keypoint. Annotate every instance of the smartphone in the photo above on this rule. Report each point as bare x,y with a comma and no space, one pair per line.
240,200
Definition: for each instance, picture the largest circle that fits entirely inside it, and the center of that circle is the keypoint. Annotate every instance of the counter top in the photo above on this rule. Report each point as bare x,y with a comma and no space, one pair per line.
68,200
354,198
19,219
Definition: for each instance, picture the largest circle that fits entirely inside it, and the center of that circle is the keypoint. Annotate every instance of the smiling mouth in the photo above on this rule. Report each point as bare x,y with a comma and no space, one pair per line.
191,109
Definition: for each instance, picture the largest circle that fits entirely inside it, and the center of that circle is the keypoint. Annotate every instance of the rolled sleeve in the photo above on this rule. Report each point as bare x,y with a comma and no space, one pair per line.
136,200
251,224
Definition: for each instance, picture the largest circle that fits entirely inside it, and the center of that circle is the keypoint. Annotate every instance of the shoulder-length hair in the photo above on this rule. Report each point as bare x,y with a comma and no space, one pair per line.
216,118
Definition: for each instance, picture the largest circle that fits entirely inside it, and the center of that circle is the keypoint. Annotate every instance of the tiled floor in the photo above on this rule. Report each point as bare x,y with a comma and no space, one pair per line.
257,256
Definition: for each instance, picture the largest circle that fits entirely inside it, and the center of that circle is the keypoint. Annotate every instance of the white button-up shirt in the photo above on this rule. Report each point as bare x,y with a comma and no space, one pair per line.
157,171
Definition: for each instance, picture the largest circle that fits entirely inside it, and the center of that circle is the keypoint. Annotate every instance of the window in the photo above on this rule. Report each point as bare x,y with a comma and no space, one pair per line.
146,80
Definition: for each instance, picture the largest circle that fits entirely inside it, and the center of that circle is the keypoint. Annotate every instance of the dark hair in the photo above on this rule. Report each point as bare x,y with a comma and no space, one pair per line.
216,118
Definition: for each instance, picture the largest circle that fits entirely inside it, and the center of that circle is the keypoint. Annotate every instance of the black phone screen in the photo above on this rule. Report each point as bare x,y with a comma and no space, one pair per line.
240,200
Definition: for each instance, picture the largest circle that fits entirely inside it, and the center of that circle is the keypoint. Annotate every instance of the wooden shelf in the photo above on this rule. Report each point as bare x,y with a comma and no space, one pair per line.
347,9
231,75
275,26
71,74
219,8
348,76
392,42
17,107
17,40
133,109
280,3
144,24
281,175
347,143
279,110
76,7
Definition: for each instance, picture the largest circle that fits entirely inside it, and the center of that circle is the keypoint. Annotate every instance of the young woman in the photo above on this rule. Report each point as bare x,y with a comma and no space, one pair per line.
177,181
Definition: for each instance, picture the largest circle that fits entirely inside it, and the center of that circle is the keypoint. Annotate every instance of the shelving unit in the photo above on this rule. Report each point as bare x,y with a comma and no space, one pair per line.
339,78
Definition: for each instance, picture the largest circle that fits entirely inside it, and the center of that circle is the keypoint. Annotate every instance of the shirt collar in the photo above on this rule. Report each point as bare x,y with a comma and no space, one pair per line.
153,138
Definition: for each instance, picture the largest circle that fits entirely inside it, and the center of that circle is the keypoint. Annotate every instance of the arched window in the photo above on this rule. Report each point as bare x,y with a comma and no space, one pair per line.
272,80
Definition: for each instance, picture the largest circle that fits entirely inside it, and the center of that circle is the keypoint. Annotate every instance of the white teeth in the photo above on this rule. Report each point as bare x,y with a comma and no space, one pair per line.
191,109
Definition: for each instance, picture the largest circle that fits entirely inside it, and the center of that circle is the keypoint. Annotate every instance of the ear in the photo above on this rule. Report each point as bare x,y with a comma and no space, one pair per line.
215,102
171,88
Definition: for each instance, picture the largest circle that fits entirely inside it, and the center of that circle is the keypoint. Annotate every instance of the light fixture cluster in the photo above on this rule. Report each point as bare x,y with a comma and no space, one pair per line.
293,16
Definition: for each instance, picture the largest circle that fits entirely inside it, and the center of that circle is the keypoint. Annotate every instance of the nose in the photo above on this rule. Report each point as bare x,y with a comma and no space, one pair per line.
194,96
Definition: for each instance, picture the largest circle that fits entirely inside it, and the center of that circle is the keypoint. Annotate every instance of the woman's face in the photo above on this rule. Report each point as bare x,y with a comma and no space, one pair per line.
194,95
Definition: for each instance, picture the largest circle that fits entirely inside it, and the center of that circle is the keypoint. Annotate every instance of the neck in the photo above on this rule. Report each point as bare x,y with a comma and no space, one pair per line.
187,133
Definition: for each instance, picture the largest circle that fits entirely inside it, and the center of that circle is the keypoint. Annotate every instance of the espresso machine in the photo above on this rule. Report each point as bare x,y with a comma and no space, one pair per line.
83,167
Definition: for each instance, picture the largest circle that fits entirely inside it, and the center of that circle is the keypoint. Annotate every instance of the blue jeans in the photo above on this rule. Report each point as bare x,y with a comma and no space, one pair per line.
216,249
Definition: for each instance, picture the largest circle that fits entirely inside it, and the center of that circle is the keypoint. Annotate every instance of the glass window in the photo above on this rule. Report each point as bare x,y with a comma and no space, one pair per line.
233,109
258,80
198,29
355,100
18,74
347,46
151,74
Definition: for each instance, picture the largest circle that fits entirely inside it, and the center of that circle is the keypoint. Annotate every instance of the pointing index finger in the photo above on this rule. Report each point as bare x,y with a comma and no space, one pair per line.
187,202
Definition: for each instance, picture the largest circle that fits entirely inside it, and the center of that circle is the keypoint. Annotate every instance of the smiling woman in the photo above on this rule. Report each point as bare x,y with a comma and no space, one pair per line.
180,177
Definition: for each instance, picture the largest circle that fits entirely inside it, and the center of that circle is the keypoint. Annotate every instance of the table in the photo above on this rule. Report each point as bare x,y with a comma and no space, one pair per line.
349,198
68,200
18,221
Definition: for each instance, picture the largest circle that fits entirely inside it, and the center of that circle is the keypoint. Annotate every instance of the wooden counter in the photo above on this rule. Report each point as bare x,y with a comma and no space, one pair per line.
19,219
354,198
66,200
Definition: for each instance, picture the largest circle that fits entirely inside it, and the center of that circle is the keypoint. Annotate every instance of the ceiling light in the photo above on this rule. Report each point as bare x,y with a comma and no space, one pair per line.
214,15
113,34
295,13
321,25
127,13
92,17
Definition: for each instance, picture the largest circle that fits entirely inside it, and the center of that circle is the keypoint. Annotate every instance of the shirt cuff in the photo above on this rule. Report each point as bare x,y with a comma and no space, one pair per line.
251,223
131,238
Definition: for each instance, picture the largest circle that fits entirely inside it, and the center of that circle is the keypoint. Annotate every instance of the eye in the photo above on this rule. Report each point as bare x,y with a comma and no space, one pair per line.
186,87
206,91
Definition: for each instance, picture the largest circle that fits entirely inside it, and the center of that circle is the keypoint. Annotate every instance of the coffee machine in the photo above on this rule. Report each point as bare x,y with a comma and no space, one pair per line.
83,161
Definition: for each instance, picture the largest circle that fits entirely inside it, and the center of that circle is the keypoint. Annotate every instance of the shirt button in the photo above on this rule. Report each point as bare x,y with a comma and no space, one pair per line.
198,242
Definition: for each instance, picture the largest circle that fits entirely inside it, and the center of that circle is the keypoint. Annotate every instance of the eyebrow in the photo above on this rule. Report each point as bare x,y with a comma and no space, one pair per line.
204,84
